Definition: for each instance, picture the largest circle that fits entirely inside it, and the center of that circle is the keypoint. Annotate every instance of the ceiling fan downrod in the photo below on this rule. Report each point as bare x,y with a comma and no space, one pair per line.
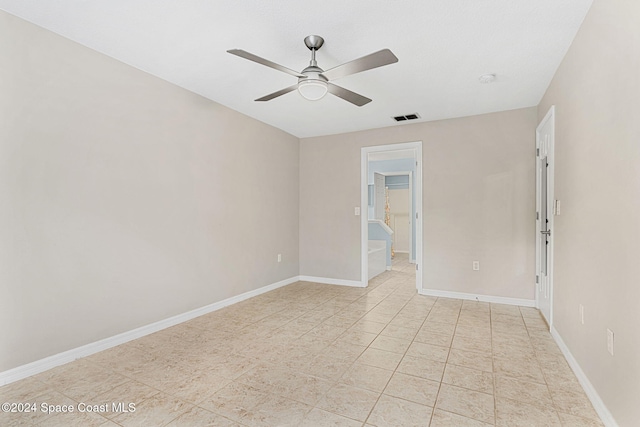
313,43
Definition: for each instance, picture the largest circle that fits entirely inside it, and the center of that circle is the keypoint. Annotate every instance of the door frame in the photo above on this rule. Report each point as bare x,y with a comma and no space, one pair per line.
550,151
364,203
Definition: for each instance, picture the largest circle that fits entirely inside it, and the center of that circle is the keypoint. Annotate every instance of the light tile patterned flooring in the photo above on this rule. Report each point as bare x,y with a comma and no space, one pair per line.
318,355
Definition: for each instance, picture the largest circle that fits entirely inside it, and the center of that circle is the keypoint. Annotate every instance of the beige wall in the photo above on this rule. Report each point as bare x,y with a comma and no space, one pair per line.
125,200
478,202
596,91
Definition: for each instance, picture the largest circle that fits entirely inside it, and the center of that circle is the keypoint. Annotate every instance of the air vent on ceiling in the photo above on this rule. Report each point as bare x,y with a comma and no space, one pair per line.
406,117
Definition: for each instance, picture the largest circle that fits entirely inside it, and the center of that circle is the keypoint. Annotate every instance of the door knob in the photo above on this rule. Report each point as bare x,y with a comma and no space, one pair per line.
548,232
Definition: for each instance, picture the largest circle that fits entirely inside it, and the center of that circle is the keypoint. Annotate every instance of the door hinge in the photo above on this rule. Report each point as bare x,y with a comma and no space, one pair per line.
537,216
537,279
538,152
416,215
417,267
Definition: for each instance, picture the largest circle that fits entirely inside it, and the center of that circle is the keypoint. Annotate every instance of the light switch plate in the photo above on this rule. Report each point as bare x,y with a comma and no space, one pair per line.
610,341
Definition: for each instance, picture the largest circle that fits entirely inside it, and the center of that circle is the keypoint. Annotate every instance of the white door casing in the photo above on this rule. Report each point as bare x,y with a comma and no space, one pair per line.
545,139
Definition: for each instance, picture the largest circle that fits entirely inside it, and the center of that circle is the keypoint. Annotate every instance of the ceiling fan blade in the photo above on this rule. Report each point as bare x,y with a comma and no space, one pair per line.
368,62
347,95
278,93
251,57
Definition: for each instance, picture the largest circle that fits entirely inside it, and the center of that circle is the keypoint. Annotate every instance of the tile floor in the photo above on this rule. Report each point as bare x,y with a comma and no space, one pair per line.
318,355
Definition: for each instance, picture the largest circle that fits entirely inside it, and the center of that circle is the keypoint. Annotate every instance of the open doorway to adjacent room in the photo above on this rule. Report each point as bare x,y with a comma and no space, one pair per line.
391,191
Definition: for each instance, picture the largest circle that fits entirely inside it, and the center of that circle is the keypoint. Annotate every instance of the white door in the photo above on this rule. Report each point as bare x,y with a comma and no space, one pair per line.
544,215
379,196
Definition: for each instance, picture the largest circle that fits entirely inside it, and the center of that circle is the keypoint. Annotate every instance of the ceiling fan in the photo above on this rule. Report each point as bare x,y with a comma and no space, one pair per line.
314,82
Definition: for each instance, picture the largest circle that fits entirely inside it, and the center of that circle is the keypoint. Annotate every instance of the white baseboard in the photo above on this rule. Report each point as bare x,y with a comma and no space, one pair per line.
47,363
401,252
591,392
388,268
328,281
476,297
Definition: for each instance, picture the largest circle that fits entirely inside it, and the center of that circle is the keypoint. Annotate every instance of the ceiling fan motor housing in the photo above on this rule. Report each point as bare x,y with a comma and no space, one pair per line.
313,72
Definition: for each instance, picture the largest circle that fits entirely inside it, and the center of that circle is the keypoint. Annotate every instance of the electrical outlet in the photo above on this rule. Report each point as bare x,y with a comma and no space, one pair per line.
476,265
356,211
279,257
610,341
582,314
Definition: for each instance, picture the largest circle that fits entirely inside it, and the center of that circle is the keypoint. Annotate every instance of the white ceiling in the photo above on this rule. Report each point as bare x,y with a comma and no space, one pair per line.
443,47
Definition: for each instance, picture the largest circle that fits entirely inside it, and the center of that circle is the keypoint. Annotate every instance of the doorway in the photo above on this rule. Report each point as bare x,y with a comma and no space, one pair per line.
545,210
399,186
391,151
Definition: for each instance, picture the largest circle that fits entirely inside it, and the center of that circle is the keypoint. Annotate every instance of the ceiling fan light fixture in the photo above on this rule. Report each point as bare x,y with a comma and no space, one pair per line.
312,89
